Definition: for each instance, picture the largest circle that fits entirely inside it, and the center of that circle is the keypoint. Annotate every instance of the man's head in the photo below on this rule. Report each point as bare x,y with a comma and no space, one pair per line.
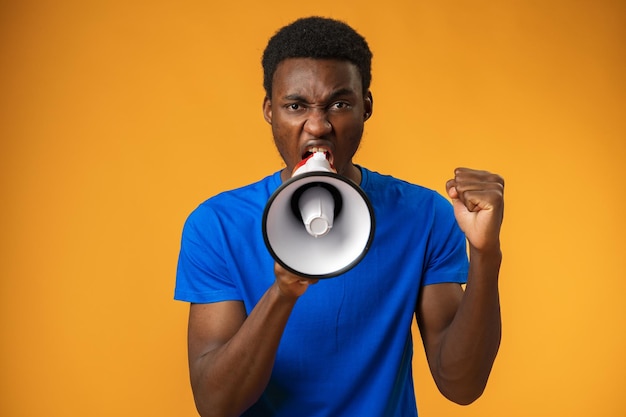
317,76
317,38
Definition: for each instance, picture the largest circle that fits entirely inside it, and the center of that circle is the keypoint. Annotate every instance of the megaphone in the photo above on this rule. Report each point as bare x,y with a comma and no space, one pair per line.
318,224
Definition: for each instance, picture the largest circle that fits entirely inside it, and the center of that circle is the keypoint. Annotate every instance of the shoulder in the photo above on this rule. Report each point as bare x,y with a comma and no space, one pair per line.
392,190
259,190
241,199
232,209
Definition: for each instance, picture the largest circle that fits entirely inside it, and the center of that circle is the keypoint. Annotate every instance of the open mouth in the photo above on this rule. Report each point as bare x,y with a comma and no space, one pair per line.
312,150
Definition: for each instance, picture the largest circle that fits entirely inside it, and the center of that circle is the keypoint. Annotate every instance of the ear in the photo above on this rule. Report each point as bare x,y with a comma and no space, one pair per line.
267,110
368,105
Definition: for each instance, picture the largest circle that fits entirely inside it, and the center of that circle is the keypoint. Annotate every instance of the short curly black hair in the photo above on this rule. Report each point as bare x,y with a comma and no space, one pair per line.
318,38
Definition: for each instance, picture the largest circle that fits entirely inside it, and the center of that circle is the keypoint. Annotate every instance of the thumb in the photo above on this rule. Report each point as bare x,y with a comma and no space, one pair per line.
451,189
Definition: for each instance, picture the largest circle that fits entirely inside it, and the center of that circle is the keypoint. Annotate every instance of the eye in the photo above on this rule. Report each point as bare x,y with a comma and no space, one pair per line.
294,106
340,105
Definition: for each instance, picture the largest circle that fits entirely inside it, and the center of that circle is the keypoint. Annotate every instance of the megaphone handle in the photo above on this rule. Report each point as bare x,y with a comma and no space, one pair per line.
295,198
316,207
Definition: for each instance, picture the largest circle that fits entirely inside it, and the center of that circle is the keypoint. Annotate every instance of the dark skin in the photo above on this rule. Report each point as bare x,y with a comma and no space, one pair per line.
321,103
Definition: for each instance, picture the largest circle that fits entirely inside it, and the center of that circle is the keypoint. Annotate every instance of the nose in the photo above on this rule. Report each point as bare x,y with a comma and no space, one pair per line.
317,123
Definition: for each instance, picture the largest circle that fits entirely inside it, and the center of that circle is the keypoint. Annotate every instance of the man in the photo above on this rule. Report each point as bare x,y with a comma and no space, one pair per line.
265,342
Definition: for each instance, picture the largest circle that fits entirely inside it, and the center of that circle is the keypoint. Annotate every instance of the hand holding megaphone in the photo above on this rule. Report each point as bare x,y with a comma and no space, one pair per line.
289,284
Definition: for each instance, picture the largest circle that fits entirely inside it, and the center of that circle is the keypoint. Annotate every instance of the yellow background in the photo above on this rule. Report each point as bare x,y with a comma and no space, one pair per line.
118,117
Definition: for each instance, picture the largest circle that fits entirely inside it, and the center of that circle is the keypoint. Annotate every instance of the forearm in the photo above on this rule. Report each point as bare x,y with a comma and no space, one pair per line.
470,344
230,378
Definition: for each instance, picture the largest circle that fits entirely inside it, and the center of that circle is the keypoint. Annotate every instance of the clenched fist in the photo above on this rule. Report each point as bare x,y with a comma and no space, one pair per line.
478,200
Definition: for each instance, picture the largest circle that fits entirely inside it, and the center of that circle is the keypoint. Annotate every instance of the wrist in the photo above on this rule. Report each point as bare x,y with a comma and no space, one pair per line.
488,252
485,263
284,293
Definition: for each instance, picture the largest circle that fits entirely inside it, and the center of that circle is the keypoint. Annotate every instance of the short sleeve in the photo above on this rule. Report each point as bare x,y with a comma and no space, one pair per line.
447,248
202,274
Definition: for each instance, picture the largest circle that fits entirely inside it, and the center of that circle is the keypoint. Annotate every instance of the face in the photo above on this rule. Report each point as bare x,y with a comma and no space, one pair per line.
318,104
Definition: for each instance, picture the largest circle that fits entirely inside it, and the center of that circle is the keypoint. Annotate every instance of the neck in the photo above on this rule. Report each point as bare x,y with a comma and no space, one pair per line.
351,172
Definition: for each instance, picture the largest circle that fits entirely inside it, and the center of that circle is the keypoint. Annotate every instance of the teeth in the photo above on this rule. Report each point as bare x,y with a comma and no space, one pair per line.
316,149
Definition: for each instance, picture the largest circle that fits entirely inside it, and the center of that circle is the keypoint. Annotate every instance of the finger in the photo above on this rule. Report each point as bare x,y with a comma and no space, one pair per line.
476,190
453,193
477,200
451,189
466,175
468,187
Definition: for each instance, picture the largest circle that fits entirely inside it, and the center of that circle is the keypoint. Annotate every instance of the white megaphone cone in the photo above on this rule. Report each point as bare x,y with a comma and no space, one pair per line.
318,224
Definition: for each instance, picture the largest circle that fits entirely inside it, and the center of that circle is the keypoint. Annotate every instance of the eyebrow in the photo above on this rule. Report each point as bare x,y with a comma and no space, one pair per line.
333,96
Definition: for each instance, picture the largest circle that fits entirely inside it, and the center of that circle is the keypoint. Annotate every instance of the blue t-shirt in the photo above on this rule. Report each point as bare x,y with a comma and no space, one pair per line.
347,347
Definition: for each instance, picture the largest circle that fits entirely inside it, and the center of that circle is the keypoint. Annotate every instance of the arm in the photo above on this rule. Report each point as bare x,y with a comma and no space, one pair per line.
461,330
230,355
